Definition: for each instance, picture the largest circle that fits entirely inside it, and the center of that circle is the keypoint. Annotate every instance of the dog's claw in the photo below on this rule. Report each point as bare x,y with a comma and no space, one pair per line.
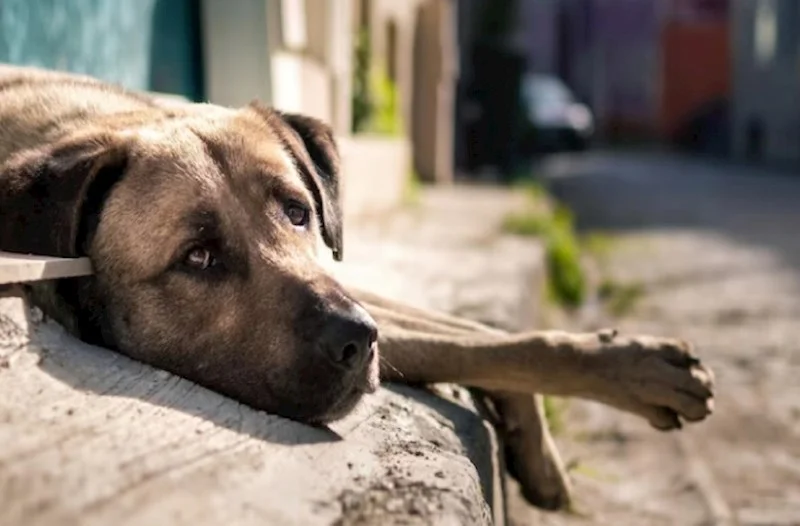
607,335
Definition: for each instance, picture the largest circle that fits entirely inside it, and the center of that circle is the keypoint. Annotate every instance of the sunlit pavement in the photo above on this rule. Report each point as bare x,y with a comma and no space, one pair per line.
716,250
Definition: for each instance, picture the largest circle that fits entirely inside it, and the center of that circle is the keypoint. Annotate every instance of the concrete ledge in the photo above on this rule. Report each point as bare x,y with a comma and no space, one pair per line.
92,437
96,438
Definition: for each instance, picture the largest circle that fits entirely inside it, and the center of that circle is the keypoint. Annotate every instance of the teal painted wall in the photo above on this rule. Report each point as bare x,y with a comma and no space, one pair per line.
141,44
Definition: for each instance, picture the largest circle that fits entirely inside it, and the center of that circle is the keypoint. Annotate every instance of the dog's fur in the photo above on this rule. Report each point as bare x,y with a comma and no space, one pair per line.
136,184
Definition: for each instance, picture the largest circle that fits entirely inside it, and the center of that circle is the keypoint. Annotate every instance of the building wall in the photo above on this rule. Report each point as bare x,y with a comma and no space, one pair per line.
236,44
392,24
141,44
416,42
766,83
435,73
643,65
293,54
541,39
624,65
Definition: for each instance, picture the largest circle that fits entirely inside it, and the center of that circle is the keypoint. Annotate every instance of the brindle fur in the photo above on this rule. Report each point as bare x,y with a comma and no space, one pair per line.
89,169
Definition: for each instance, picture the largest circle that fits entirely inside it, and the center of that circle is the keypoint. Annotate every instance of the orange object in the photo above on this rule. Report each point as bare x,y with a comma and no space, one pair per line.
695,69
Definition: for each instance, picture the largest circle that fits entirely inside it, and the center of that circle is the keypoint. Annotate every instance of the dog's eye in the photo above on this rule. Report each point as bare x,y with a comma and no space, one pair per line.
200,258
298,214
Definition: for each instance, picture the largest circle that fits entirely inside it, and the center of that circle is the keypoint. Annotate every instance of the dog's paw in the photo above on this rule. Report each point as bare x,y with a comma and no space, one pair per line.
659,379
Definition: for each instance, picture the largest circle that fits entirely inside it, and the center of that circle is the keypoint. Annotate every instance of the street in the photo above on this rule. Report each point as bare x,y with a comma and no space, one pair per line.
715,251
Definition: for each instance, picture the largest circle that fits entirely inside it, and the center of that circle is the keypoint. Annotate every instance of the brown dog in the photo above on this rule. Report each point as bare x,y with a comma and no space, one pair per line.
202,223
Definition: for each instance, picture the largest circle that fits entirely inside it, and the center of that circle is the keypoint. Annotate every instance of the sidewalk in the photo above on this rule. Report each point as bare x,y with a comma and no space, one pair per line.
714,253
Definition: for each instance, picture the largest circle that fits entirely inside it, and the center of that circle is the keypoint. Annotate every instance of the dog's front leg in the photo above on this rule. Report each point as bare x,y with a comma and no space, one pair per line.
656,378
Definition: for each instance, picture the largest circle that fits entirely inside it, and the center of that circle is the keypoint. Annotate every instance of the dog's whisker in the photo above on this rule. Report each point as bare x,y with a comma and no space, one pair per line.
383,360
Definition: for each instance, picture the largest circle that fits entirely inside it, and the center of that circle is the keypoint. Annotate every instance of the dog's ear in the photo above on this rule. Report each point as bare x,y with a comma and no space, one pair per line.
313,147
51,198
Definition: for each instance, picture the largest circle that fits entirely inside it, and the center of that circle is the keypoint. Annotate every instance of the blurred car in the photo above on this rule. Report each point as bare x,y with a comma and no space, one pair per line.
554,118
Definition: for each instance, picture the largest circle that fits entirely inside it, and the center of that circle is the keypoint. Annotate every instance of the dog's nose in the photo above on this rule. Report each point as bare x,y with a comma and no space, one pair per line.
348,338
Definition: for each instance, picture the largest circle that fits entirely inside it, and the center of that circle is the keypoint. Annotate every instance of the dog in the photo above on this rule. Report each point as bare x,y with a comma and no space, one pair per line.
203,224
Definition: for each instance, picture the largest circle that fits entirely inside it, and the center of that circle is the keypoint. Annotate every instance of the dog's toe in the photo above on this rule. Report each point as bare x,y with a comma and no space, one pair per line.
668,384
663,418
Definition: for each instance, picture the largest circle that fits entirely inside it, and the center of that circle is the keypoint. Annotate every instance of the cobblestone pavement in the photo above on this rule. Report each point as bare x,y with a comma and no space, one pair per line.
716,251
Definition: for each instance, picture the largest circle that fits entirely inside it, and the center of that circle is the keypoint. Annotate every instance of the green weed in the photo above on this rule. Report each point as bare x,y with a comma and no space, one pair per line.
620,298
555,225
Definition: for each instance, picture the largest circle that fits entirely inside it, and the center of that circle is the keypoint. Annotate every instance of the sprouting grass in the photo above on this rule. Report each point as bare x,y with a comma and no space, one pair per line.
554,413
533,189
620,298
567,279
526,224
589,471
555,225
598,244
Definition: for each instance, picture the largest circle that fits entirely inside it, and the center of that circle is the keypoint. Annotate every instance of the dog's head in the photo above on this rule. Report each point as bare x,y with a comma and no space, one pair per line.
202,230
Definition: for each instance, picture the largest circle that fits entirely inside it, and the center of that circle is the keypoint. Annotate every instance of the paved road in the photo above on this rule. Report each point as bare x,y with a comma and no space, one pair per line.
717,252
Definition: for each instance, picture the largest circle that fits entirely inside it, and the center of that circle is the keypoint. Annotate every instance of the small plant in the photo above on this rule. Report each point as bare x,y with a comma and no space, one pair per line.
375,100
361,98
620,298
526,224
567,279
567,282
598,244
386,112
535,191
536,218
578,467
554,413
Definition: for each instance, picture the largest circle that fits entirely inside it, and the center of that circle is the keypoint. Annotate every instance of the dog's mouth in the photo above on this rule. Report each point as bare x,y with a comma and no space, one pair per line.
367,382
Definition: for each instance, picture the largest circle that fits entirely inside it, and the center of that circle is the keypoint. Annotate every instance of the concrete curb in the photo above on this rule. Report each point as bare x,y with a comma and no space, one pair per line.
92,437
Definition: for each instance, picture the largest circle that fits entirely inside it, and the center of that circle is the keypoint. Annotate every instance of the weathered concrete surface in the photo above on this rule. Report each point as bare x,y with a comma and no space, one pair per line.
716,251
92,437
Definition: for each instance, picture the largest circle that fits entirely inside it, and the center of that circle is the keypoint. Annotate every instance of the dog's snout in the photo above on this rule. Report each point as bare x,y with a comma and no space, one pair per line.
348,338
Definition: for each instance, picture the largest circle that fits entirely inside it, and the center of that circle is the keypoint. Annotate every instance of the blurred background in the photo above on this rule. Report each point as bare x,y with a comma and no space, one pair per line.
657,144
468,85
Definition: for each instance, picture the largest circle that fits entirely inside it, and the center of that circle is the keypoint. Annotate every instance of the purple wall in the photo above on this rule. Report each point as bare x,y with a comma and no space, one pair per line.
627,32
540,40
